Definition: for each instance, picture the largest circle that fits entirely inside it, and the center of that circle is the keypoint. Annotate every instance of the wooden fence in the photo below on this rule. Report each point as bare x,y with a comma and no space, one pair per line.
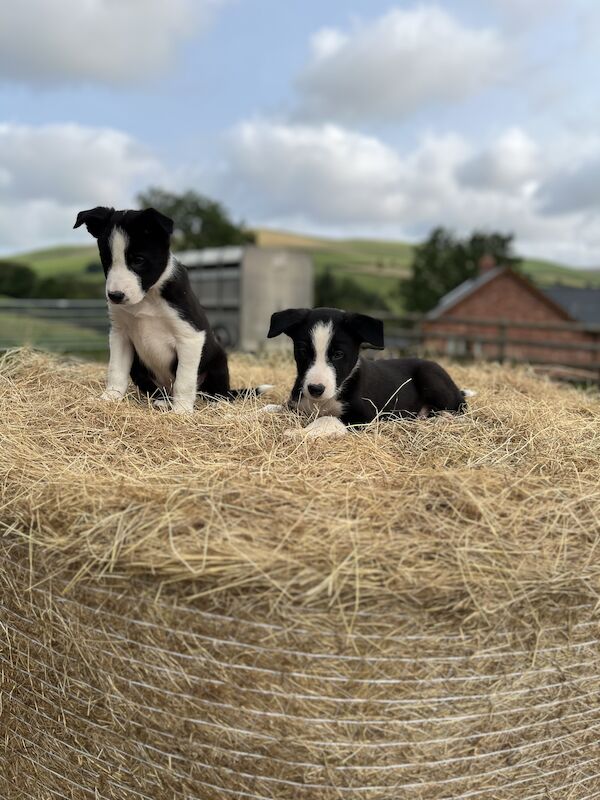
541,343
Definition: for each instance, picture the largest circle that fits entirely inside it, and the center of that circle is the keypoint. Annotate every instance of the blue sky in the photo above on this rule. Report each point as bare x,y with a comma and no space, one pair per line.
341,118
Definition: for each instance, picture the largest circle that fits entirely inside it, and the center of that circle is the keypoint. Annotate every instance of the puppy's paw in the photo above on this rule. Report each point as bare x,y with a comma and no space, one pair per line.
180,407
271,408
330,427
162,404
112,395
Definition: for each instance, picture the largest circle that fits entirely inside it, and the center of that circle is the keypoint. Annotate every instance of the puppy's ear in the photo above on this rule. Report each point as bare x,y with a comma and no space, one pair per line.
367,329
154,217
95,219
282,321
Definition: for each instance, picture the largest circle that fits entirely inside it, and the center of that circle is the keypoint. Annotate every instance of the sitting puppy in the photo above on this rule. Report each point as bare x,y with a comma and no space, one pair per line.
345,389
159,333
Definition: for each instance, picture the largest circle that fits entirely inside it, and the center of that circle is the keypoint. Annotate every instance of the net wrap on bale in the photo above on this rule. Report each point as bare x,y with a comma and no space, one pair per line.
422,624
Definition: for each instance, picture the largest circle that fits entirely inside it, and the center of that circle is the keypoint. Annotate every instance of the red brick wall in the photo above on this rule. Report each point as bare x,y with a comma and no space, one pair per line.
507,297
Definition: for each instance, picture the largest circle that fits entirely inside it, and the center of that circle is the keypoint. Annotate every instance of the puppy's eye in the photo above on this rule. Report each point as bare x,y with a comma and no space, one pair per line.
337,355
137,261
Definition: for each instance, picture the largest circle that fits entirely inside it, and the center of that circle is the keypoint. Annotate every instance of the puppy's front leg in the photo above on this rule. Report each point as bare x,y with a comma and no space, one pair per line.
119,365
185,388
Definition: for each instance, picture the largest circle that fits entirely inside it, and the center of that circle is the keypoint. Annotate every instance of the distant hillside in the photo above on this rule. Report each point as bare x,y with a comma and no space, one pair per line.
375,257
54,260
374,264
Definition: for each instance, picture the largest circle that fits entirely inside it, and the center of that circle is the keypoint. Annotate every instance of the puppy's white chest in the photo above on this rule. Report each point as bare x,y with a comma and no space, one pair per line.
154,342
151,331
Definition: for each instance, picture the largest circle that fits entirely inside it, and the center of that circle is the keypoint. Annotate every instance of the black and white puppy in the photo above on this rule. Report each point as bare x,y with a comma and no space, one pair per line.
159,335
342,388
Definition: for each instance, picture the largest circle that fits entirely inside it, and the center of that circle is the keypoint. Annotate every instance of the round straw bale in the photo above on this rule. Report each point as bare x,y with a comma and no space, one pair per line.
200,607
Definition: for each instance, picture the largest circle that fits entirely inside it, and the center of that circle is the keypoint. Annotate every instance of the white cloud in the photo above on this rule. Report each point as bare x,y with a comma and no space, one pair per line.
48,173
511,163
573,186
316,178
337,174
105,41
406,59
327,178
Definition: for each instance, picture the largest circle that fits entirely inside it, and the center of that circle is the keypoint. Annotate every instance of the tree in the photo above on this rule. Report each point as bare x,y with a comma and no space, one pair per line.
67,285
444,261
199,221
16,280
335,291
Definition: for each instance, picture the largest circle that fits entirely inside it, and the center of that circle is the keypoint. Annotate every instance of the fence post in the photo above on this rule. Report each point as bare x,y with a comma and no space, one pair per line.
502,336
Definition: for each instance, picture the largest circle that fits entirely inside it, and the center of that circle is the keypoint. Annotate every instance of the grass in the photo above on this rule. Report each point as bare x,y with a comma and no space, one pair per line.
375,266
365,257
18,330
58,260
393,259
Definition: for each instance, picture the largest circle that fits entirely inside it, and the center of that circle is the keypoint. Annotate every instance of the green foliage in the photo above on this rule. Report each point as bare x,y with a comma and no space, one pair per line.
444,261
54,287
332,291
16,280
66,258
199,221
93,268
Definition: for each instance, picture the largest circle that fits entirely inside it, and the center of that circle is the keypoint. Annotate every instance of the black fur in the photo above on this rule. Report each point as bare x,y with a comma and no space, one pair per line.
147,256
396,387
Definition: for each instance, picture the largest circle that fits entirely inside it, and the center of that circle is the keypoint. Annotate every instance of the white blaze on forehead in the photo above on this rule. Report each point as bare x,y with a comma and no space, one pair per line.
321,371
118,245
120,278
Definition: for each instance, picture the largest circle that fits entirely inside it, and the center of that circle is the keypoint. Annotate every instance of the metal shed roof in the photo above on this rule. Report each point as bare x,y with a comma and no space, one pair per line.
211,256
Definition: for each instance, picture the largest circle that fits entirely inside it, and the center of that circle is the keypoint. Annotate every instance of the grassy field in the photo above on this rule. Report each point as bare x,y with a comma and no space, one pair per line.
377,266
385,259
19,330
57,260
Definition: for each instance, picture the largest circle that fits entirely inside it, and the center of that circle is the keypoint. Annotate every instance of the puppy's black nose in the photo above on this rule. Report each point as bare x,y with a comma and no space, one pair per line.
315,389
116,297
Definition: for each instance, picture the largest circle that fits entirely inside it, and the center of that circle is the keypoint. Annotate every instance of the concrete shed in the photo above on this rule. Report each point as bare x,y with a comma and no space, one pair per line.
240,287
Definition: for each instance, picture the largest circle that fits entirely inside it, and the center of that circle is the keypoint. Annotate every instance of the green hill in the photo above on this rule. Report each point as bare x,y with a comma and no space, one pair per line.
380,257
376,265
55,260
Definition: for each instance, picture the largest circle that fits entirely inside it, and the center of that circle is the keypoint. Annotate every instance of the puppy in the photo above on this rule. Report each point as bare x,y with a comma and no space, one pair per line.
342,388
159,334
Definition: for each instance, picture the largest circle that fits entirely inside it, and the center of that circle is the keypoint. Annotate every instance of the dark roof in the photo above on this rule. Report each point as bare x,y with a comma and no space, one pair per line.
583,304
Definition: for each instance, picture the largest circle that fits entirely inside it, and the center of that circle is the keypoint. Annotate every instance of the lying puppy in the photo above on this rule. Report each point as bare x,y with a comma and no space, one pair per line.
345,389
159,332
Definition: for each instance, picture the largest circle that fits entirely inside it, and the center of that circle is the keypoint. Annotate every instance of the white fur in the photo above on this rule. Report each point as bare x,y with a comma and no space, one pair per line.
324,408
321,427
119,365
189,353
272,408
469,393
264,387
321,370
120,278
158,334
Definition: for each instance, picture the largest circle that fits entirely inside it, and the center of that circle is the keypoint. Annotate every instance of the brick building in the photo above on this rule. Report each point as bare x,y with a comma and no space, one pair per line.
480,318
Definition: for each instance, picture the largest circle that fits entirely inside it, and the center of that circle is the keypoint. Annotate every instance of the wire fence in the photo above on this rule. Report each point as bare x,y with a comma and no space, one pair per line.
74,326
569,349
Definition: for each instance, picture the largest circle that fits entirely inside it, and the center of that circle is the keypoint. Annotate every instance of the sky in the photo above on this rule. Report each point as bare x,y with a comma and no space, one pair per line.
358,118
